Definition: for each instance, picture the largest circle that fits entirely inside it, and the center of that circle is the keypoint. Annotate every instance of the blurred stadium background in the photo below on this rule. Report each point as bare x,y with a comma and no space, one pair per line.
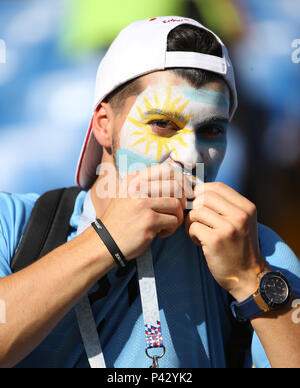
53,48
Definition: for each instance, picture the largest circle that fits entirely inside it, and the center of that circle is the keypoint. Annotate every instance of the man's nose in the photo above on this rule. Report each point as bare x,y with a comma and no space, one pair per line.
187,156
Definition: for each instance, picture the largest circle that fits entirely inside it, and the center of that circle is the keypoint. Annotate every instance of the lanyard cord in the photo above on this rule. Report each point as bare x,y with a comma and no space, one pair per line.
89,334
150,308
85,318
149,300
83,310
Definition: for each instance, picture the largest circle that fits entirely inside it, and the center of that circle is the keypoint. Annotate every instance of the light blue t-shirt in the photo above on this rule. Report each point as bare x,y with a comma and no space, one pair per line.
193,308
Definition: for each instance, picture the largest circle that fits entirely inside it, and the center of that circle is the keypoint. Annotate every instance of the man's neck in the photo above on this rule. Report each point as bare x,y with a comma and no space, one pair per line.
100,204
104,188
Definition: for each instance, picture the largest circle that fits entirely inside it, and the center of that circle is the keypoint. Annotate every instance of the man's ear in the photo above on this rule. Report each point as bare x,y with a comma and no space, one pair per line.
103,124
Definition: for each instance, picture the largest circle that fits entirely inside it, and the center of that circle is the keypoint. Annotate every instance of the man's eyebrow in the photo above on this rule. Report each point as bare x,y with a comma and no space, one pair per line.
172,115
215,119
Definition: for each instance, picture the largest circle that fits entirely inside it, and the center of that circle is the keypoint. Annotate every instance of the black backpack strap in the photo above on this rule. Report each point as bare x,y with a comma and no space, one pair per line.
239,341
47,228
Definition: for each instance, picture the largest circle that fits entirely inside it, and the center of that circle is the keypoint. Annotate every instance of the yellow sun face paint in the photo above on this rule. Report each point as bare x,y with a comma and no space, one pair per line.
172,108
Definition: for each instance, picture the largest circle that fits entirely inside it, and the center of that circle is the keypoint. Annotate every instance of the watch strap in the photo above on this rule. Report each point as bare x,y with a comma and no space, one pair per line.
246,310
260,302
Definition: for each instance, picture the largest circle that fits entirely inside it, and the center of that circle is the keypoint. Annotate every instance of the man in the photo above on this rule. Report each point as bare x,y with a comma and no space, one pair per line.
164,96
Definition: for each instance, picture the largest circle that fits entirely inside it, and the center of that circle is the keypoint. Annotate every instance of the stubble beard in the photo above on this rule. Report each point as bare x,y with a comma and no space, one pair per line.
114,149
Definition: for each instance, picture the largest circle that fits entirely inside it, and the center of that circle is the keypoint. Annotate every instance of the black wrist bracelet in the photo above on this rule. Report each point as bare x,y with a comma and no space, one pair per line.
109,243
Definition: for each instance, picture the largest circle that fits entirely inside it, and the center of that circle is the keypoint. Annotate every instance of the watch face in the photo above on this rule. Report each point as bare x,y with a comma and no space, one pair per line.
274,289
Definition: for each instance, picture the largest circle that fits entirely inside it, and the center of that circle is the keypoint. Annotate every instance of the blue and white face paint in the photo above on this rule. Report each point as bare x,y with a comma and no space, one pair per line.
177,123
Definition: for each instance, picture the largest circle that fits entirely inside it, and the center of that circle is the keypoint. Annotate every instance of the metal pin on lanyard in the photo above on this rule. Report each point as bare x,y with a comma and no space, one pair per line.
155,358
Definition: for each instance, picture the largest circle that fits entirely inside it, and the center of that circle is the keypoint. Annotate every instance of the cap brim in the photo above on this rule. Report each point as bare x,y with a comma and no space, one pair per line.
90,158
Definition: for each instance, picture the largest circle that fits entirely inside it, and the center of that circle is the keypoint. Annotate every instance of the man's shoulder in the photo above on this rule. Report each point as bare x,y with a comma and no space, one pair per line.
16,208
15,211
9,198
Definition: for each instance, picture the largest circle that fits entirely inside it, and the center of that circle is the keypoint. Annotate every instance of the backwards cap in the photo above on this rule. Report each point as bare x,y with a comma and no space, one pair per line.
139,49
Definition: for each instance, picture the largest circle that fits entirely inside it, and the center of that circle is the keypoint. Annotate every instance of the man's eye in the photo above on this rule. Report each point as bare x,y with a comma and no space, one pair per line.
211,131
163,127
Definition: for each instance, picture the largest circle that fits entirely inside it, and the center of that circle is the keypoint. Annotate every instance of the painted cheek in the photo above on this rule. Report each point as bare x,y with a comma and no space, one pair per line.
131,159
212,158
129,162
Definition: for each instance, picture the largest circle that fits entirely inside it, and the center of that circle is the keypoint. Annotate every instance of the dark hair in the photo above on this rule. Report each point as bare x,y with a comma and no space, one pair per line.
191,38
185,37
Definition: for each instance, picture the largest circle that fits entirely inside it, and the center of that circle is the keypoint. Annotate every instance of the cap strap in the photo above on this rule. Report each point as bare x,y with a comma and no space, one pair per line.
197,60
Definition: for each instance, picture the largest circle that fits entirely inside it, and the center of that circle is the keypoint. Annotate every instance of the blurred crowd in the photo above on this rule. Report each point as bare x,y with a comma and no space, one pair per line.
52,50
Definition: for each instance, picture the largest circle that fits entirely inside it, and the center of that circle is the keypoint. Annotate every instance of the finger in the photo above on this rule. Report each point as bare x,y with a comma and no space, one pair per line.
156,189
166,189
166,224
230,195
172,206
200,234
234,214
157,172
215,202
209,218
165,171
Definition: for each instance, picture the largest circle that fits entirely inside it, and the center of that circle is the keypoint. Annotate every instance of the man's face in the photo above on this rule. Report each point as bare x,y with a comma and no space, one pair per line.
172,120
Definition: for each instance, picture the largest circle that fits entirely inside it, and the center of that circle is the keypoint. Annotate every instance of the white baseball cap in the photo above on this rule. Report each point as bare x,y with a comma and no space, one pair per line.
139,49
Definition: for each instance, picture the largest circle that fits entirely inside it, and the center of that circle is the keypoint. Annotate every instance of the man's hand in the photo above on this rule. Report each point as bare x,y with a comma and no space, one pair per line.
224,223
150,203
